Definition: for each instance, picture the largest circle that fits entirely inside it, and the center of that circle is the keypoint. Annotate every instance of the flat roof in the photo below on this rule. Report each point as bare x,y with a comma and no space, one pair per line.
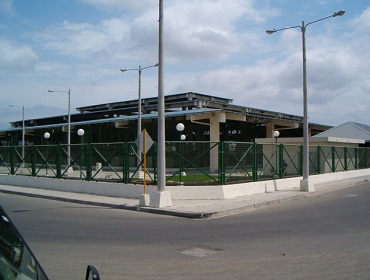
175,105
118,118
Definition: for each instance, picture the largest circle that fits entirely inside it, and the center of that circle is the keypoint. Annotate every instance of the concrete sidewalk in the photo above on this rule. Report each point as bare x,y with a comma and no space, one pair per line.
194,209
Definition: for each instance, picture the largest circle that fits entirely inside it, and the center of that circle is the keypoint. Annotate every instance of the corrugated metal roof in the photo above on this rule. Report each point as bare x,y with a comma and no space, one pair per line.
349,130
121,118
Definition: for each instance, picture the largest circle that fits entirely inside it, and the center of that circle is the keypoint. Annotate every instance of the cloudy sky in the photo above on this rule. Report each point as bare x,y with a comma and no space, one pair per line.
215,47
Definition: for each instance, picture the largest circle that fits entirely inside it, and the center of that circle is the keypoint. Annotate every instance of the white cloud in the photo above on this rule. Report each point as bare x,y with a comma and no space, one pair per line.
214,47
197,30
206,30
123,5
338,78
7,7
362,23
16,57
82,39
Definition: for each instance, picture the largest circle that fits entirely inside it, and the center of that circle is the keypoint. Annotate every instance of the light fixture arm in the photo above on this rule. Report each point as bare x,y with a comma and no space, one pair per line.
303,27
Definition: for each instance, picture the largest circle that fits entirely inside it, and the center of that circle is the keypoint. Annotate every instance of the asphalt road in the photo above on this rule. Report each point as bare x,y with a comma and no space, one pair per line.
324,237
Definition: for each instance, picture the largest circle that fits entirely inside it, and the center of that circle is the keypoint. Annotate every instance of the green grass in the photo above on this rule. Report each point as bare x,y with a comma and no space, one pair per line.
193,178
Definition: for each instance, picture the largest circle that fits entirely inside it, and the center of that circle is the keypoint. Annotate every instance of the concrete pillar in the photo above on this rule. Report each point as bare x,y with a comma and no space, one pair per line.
270,127
214,136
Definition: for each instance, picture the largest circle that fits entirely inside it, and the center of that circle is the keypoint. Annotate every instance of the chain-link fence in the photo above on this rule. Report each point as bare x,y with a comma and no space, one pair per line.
187,163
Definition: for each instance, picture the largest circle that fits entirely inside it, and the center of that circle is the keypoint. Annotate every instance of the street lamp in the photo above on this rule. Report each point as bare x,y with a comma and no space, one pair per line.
139,93
276,134
81,132
23,130
305,184
46,136
69,126
180,128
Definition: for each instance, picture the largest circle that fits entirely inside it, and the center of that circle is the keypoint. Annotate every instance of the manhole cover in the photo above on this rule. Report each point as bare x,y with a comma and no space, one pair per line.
199,251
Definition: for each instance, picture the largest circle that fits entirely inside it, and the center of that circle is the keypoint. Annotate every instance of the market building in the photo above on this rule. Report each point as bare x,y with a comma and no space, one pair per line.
205,117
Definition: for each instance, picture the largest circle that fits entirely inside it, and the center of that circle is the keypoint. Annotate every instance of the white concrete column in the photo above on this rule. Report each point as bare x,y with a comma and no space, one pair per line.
214,136
270,127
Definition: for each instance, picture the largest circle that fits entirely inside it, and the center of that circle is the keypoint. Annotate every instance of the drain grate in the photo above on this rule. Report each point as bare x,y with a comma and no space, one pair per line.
199,251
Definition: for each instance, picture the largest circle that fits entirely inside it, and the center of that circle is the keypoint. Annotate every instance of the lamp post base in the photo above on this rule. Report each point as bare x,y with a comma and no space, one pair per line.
160,199
306,185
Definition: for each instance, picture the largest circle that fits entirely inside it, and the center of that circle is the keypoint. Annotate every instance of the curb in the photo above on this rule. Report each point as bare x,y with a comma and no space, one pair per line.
194,215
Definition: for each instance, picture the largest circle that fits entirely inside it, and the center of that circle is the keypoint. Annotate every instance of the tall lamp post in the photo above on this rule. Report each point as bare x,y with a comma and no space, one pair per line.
161,198
139,93
305,184
69,125
23,130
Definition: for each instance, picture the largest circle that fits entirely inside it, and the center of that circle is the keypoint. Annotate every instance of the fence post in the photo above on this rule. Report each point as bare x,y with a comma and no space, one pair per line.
57,161
345,158
88,162
221,163
318,159
281,161
255,167
12,160
365,157
301,160
356,155
126,163
333,159
33,160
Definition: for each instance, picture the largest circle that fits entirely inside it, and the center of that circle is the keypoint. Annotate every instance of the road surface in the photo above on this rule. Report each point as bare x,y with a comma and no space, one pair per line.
323,237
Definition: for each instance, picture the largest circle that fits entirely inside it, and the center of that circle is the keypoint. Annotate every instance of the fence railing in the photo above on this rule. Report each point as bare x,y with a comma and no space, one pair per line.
187,163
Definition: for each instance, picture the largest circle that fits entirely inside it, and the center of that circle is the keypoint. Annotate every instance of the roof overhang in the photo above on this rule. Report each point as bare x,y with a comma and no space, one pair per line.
312,140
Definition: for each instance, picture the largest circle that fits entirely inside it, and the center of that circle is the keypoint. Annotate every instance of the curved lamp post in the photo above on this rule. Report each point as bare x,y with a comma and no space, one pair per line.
139,93
69,126
306,185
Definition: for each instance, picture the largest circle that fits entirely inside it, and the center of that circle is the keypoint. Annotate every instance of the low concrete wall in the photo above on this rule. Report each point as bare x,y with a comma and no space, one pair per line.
232,191
177,192
88,187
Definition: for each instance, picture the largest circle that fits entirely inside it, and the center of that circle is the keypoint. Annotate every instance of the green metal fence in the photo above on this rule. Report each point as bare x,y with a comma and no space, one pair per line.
187,163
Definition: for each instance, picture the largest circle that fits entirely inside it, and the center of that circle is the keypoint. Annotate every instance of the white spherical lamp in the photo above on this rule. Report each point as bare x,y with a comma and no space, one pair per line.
180,127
